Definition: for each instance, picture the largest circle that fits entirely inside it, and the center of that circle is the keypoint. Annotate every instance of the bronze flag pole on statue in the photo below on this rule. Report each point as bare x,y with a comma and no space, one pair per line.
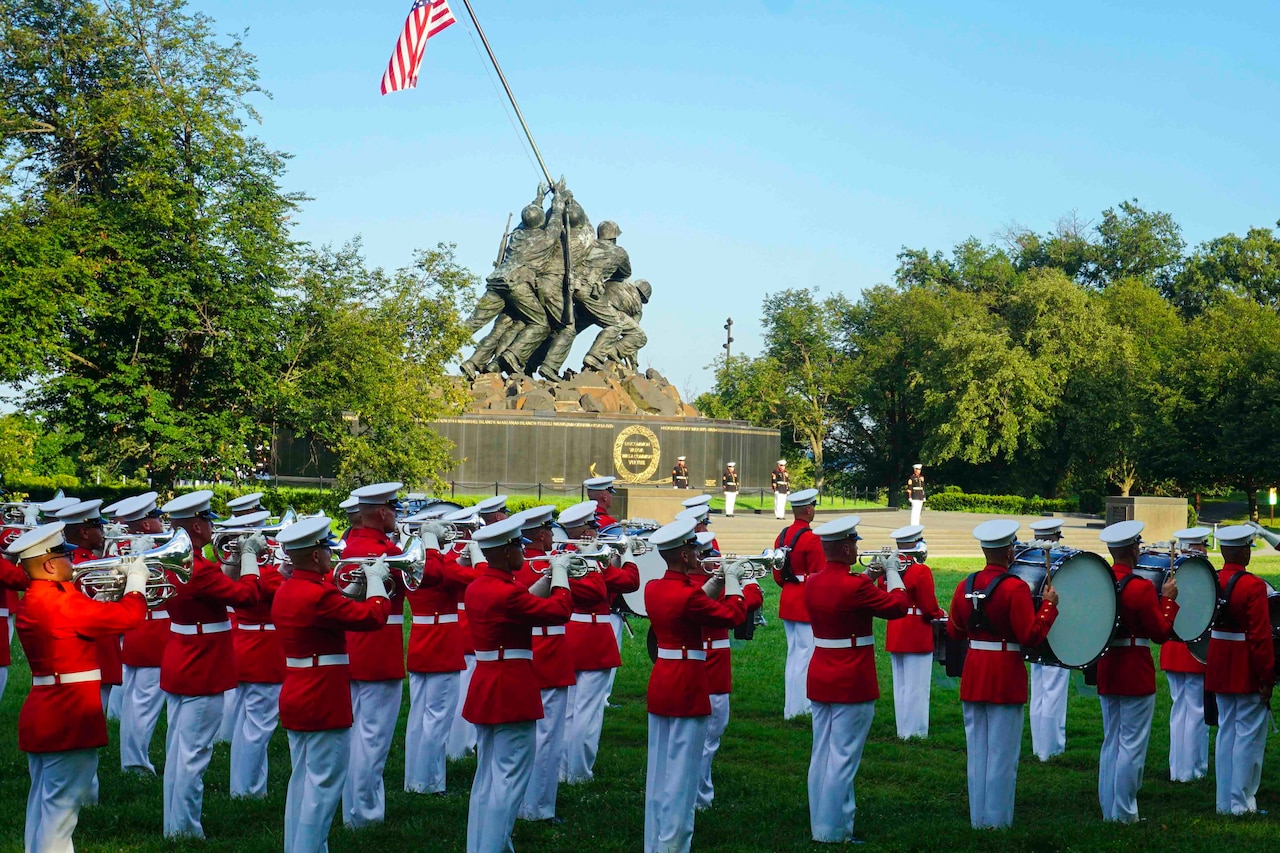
566,312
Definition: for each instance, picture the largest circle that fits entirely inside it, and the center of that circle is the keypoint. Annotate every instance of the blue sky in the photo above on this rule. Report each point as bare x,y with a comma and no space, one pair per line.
748,147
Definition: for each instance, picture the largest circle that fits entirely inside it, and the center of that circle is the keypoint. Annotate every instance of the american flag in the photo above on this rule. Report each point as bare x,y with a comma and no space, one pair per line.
426,18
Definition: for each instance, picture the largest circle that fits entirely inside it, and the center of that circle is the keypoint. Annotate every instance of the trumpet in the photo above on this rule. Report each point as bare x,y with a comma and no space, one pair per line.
750,567
349,577
227,539
579,563
104,579
881,558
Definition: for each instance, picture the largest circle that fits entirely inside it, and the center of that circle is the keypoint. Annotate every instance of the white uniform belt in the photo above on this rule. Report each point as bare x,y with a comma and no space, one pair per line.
462,605
504,654
843,642
914,611
66,678
317,660
548,631
442,619
253,626
718,644
4,612
396,619
682,654
1231,636
589,617
156,615
1129,641
200,628
994,646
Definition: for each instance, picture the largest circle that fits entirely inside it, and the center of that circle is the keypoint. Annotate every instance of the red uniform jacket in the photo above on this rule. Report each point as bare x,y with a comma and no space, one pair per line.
914,633
12,578
436,638
1127,670
806,559
203,663
377,655
590,630
259,653
57,625
1176,657
604,520
503,613
679,612
552,654
716,641
108,645
1248,665
841,606
999,677
312,619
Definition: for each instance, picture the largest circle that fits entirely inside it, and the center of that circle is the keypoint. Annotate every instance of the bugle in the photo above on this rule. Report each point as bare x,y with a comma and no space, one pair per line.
407,568
104,579
882,558
751,567
578,563
637,544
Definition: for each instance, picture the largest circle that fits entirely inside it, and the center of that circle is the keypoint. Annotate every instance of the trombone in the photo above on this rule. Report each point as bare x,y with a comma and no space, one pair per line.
750,567
104,579
349,576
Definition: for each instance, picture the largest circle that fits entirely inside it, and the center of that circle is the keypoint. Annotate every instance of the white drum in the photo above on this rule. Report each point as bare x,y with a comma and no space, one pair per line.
1087,606
1197,589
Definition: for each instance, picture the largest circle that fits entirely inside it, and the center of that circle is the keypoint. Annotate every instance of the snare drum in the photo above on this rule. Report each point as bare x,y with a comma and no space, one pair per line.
1087,609
946,651
1197,589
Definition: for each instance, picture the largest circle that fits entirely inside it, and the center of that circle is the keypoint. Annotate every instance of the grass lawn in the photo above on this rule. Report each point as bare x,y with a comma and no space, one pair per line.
911,796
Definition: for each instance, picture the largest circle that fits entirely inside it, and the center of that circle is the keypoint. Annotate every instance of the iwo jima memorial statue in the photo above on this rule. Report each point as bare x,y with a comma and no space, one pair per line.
534,421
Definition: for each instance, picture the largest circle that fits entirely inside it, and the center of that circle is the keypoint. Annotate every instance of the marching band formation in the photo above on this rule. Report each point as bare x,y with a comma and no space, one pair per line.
239,625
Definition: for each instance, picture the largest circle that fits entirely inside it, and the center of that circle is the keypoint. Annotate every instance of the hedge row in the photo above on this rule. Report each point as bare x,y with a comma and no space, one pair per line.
956,501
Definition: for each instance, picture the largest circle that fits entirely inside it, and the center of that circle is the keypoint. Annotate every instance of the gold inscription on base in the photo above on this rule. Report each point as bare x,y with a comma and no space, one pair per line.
635,454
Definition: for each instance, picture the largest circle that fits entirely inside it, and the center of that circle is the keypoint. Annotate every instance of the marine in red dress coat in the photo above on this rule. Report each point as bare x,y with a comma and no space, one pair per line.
914,633
806,559
12,579
377,655
198,662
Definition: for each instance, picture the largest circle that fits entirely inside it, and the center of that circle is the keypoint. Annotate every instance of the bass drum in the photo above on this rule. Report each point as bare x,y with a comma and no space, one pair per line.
1197,590
1200,647
650,563
1087,607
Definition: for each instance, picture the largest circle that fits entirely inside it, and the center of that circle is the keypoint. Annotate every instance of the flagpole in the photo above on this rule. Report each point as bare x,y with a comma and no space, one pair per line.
496,67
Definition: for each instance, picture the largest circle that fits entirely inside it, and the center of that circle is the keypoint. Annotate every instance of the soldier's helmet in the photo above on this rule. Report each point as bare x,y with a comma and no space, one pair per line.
577,216
645,290
608,230
532,216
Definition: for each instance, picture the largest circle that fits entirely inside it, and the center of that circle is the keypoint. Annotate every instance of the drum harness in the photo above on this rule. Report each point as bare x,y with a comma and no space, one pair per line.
788,574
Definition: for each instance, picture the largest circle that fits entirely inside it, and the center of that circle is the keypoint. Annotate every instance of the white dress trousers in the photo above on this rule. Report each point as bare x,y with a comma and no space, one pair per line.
716,724
583,739
799,651
319,762
1126,731
730,498
433,703
911,674
59,785
193,723
375,707
1242,741
258,715
462,735
230,710
1188,732
116,701
139,713
839,735
993,735
504,763
779,504
916,506
671,783
544,783
1049,688
4,679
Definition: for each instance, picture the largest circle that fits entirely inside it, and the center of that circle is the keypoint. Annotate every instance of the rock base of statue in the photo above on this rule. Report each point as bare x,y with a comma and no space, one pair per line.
610,391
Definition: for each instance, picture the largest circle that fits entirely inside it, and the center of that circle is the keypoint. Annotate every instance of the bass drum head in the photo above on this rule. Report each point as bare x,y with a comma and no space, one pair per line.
1086,610
651,566
1197,598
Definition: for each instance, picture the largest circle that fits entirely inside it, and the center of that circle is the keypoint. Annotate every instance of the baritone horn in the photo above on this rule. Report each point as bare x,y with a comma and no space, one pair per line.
349,577
751,567
104,579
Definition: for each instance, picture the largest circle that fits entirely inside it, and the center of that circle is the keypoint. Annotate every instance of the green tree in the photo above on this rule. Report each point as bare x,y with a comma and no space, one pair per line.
1135,243
1245,266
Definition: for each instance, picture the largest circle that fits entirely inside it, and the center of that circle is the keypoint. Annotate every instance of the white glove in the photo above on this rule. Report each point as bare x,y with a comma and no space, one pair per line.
1272,538
732,581
135,575
30,515
560,570
892,579
138,544
249,562
473,555
713,587
429,540
254,543
438,529
375,575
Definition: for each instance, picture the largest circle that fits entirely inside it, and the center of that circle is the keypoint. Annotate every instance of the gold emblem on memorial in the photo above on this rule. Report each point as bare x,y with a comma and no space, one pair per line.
635,454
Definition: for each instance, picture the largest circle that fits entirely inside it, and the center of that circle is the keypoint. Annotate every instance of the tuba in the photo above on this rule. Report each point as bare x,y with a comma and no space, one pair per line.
753,567
104,579
349,577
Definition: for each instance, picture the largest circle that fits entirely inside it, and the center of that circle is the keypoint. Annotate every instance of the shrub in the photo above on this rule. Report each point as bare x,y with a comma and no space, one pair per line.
957,501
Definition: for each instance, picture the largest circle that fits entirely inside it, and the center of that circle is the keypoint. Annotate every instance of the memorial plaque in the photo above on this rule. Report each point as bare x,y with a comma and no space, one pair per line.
636,452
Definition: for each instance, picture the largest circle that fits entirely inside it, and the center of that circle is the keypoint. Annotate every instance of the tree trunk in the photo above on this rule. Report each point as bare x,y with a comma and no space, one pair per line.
1251,495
